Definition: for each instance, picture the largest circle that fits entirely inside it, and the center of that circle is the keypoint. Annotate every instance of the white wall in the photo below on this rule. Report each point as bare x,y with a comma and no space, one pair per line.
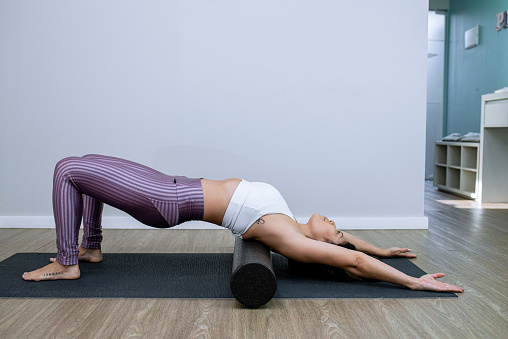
323,99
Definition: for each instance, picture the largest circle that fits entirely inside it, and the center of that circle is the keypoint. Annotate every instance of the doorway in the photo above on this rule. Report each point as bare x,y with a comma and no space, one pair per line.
435,86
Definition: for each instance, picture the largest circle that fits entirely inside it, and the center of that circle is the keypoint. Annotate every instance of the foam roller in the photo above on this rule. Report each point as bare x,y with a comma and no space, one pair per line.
253,281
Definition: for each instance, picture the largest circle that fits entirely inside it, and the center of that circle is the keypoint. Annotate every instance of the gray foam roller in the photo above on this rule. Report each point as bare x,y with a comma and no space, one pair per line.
253,280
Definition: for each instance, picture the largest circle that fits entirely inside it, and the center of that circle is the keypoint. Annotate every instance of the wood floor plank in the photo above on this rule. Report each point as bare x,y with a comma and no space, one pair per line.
22,240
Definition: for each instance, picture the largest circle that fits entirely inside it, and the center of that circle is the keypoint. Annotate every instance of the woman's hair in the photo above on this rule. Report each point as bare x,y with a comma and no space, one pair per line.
348,245
321,271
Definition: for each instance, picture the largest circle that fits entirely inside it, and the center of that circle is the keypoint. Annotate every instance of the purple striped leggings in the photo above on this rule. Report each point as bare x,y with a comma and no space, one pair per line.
81,186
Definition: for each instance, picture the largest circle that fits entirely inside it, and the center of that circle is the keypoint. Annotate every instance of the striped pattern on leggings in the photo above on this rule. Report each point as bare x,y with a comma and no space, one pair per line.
81,186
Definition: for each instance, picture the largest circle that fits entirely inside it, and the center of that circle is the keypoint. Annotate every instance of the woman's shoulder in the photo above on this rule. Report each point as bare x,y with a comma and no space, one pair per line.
272,226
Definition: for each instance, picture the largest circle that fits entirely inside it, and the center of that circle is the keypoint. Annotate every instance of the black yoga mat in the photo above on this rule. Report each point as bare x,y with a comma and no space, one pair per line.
184,275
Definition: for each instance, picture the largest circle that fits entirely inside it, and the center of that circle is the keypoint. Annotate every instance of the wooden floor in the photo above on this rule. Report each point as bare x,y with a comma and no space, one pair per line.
465,241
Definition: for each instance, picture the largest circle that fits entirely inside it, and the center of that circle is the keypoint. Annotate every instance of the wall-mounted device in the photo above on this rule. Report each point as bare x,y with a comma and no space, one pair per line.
471,37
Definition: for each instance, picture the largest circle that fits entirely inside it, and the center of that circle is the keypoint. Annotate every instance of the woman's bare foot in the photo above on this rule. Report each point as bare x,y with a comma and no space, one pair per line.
87,254
53,271
90,254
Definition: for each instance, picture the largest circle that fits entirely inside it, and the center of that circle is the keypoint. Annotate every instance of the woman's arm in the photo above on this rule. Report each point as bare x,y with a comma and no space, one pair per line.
303,249
369,249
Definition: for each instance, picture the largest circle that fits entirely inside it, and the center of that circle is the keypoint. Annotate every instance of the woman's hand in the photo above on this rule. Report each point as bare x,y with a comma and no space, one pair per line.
399,252
428,282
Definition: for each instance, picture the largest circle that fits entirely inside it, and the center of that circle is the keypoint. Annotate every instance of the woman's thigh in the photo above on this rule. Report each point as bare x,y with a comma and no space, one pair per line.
127,188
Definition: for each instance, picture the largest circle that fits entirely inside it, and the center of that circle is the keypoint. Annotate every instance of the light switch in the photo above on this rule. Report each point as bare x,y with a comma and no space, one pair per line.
471,37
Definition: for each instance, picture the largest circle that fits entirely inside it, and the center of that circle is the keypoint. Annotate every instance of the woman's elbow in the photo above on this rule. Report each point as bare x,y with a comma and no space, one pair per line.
358,263
360,260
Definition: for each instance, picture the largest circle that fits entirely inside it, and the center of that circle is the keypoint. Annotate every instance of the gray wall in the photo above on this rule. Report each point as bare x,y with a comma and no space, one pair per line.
323,99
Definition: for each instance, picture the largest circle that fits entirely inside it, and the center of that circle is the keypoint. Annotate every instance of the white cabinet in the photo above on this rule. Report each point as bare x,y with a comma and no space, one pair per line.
456,167
493,174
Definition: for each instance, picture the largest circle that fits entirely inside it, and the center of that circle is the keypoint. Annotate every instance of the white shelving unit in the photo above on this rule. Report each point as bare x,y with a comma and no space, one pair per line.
493,174
456,168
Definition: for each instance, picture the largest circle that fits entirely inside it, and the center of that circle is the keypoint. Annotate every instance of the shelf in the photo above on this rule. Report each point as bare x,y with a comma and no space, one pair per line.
453,178
440,154
468,181
470,157
453,156
440,175
455,191
456,168
470,169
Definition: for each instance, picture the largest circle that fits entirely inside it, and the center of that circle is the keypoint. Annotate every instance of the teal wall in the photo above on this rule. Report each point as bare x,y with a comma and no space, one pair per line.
476,71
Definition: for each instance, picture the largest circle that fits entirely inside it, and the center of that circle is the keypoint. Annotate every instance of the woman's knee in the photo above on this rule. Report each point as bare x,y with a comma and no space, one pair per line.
66,165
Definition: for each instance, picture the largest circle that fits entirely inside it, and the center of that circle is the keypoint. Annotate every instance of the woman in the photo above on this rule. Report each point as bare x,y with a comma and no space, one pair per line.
251,210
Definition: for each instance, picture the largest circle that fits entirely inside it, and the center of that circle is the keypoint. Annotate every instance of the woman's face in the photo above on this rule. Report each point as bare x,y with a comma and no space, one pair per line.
324,229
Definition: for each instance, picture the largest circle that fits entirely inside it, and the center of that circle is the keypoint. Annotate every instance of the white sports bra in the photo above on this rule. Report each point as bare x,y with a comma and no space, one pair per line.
251,201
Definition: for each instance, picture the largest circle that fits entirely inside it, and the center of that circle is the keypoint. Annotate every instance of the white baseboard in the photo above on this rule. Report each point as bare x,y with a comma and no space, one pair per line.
406,223
130,223
107,223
